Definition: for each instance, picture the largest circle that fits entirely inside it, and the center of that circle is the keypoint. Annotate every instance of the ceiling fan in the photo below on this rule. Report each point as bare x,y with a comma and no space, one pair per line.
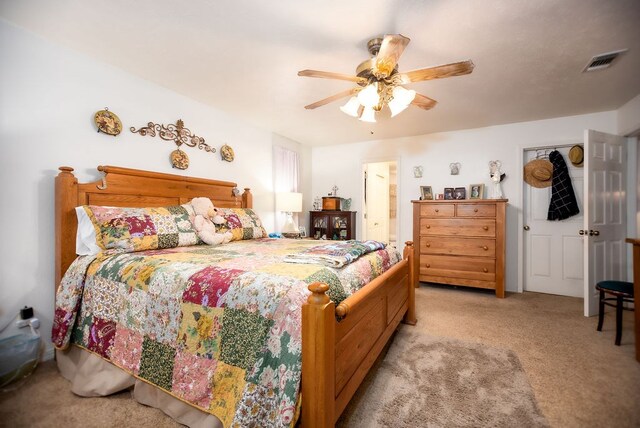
380,83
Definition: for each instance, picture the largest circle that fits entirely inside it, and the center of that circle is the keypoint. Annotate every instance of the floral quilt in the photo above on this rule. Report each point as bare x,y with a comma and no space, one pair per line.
218,327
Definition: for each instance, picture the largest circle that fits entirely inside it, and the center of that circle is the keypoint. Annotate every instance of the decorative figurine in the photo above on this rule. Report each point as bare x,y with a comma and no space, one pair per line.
496,177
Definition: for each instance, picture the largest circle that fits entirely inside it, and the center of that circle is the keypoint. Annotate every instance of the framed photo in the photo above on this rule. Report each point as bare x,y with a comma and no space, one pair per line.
476,191
448,192
460,193
426,194
303,231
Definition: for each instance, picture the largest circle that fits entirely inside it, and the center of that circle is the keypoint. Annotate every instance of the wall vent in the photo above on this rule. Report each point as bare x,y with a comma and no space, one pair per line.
604,60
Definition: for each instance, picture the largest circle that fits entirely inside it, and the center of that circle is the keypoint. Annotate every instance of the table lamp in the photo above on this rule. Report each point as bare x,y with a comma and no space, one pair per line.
289,202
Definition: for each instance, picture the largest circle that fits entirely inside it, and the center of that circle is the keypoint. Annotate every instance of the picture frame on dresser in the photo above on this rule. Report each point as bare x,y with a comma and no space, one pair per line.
460,193
426,193
448,193
476,191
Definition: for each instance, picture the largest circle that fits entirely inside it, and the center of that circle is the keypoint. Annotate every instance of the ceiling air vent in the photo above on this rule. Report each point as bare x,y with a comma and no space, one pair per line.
604,60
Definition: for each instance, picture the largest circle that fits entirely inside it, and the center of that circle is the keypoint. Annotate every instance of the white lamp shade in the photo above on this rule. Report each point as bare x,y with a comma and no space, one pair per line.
351,107
401,99
368,115
369,97
289,202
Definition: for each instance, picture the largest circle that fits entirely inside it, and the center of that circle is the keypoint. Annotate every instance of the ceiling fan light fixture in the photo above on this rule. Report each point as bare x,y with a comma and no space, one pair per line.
404,96
401,99
369,97
351,107
368,115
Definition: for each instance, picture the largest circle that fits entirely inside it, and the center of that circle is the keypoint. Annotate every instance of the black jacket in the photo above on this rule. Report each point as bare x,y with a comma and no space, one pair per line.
563,201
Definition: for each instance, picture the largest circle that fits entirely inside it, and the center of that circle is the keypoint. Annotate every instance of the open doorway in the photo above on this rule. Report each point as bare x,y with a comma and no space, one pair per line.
379,217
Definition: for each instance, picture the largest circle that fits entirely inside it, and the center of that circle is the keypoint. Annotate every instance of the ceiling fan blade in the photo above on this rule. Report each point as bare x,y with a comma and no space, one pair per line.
438,72
332,98
331,75
392,47
424,102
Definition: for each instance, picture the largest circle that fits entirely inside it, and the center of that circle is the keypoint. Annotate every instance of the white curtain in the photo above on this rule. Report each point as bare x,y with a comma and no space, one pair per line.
286,177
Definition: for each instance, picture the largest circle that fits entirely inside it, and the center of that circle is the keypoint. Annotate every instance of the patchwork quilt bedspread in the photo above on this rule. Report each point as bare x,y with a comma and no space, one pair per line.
218,327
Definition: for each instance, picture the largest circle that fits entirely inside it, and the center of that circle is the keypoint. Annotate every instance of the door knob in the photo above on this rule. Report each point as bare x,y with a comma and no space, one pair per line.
581,232
594,232
526,227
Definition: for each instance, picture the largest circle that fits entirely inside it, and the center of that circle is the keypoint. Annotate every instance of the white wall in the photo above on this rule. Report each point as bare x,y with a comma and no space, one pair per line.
473,148
48,97
628,117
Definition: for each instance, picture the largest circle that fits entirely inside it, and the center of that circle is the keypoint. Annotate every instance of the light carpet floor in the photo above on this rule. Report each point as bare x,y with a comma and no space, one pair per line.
430,381
579,377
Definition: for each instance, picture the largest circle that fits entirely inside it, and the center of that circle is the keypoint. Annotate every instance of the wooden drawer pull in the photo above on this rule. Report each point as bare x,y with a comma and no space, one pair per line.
485,248
475,210
427,245
485,227
428,226
485,270
437,210
428,265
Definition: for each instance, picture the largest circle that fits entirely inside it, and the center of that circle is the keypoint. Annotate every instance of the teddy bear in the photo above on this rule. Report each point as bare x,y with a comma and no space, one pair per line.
205,222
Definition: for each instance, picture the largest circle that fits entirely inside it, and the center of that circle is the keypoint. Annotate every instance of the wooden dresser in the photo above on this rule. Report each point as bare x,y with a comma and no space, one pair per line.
461,242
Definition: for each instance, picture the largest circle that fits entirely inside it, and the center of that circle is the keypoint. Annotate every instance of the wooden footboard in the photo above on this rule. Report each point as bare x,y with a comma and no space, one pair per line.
340,344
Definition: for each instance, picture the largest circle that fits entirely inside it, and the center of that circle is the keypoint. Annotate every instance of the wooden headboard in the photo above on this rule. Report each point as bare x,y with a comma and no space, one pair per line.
125,187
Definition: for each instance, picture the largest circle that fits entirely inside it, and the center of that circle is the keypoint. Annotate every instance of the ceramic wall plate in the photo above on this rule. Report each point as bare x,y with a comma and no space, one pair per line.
226,152
179,159
108,122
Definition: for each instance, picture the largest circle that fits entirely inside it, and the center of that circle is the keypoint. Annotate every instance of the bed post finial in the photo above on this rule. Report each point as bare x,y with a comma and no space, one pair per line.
247,198
318,358
408,254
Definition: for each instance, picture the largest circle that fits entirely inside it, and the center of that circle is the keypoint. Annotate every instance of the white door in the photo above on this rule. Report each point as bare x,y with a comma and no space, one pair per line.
605,219
376,208
553,250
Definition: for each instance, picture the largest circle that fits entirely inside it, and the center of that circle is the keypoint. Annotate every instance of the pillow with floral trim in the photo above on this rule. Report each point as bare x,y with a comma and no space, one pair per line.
139,229
243,223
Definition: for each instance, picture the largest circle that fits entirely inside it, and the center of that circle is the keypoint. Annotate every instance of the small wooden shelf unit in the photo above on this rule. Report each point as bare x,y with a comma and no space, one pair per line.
336,225
461,242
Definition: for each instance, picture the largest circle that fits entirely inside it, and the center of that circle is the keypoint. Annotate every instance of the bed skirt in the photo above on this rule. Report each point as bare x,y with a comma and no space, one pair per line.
91,376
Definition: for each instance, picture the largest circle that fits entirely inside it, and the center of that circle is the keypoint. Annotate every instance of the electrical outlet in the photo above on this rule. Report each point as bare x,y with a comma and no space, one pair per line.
22,323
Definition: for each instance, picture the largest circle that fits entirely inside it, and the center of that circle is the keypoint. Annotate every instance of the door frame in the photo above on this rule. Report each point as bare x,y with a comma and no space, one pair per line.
521,157
361,222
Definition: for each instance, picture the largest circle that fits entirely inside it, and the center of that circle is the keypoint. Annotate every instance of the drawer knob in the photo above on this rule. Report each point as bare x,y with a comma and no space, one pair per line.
485,248
475,210
428,226
428,265
437,210
427,245
485,227
485,270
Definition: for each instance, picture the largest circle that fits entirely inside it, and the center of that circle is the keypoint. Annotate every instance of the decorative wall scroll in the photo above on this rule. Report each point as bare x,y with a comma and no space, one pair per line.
179,135
107,122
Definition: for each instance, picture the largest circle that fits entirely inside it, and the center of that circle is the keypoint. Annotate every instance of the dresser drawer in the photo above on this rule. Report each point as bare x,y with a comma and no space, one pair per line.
476,210
458,227
437,210
458,267
483,247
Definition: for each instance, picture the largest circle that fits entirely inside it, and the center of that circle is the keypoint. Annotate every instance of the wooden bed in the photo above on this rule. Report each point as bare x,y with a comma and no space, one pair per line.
339,344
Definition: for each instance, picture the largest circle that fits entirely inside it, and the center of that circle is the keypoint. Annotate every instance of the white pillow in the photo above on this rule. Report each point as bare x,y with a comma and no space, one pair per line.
86,235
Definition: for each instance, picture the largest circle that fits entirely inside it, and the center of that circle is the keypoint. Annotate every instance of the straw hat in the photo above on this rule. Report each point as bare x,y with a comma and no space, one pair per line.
576,155
538,173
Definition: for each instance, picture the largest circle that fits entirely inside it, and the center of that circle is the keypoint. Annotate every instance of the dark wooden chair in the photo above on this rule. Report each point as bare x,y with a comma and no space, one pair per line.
622,292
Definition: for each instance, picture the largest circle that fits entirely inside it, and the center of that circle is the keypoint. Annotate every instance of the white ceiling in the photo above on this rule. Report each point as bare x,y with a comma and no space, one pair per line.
242,56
